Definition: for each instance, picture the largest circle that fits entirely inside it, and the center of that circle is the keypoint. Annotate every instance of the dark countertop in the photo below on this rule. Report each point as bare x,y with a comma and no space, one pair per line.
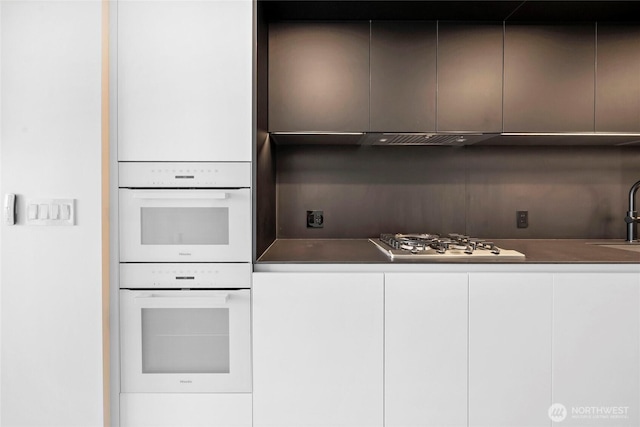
542,251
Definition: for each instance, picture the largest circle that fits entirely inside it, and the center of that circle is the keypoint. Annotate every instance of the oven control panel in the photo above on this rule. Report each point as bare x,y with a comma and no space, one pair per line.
185,276
184,175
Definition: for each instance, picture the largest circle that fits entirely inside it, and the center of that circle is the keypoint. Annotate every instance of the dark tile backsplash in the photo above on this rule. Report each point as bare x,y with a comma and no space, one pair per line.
570,192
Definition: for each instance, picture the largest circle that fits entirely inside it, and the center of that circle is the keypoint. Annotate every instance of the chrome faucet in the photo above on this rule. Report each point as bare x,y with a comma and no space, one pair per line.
632,217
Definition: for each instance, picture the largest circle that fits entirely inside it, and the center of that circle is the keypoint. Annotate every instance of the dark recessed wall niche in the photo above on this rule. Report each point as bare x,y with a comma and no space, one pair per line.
570,192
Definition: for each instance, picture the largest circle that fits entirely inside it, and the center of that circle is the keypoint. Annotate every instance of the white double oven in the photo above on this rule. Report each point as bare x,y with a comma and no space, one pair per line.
185,277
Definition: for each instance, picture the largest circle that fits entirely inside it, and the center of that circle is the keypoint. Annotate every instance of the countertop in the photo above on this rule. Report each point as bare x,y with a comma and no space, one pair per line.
537,251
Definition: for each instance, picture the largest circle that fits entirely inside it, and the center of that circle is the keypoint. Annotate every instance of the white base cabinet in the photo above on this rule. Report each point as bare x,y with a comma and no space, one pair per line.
318,349
495,349
596,340
510,317
185,409
425,349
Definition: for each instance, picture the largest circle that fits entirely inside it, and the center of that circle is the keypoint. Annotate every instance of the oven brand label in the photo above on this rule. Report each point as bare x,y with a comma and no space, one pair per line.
184,253
186,381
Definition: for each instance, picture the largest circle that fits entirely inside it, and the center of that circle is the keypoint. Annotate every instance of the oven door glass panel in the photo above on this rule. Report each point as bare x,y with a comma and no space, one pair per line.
196,341
185,340
184,226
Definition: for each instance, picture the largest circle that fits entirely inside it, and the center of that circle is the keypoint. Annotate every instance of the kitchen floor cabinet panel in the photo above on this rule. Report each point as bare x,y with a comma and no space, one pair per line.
618,78
318,349
470,77
185,409
426,322
319,76
549,78
184,80
403,76
510,349
596,338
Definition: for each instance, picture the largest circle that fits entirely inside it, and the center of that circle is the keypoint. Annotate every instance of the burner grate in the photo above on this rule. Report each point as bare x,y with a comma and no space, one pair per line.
417,244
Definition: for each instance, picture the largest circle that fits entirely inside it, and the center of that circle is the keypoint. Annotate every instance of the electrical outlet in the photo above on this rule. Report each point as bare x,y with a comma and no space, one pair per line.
315,219
522,219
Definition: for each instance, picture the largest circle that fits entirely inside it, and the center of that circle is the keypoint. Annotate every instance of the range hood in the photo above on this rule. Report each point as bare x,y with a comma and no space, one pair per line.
410,138
380,138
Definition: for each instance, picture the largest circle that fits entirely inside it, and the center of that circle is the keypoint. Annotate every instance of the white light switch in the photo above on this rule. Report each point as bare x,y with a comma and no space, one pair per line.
32,211
43,211
51,212
65,212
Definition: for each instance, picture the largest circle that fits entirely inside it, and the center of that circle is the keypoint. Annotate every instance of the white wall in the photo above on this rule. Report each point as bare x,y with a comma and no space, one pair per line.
50,280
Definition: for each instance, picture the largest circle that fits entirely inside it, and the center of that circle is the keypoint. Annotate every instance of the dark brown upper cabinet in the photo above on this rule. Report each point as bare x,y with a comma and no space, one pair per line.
319,76
403,76
618,78
470,77
549,78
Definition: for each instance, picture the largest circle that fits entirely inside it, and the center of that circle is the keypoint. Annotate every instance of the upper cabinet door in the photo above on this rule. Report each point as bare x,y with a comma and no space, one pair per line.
319,76
470,77
549,78
185,80
403,76
618,78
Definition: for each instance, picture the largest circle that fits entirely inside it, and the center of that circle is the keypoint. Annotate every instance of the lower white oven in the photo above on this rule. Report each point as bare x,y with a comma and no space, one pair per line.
195,340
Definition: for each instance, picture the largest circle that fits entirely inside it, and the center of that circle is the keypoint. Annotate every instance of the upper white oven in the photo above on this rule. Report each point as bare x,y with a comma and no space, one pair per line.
185,212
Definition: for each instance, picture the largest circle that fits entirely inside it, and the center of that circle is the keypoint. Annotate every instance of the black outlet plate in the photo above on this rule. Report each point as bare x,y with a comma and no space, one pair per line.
315,219
522,219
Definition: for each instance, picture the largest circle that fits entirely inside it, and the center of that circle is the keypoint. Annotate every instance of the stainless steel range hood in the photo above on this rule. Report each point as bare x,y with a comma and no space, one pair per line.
438,139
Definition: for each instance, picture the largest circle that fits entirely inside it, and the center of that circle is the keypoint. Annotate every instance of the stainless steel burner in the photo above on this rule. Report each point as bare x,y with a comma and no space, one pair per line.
418,245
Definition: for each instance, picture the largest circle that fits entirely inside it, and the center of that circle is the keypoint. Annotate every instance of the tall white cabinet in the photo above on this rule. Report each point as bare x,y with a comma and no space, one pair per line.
182,85
184,80
318,349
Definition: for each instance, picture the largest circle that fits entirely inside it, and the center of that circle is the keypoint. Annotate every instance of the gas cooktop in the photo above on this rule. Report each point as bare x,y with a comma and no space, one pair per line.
453,246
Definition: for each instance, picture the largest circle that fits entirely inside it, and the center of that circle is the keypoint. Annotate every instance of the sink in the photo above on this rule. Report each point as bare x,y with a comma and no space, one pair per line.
633,248
625,246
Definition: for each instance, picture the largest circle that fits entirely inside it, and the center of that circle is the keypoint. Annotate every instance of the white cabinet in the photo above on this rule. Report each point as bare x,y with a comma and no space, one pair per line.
510,317
318,349
494,349
185,409
426,349
184,84
596,333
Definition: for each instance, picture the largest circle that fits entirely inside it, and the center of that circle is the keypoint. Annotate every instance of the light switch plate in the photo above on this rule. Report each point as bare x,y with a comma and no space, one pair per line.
54,212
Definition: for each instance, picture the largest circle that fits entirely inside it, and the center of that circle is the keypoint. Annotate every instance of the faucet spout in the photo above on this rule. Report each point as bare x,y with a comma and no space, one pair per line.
632,217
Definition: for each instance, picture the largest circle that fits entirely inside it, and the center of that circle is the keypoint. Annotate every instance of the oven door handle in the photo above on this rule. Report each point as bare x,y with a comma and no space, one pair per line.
155,300
183,195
